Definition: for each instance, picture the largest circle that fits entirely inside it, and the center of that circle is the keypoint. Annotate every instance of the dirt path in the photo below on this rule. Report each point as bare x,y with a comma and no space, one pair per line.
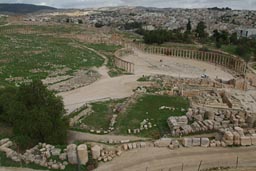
80,136
162,159
174,66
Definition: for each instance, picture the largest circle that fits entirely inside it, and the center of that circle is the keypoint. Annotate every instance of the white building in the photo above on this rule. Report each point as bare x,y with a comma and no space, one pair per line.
248,33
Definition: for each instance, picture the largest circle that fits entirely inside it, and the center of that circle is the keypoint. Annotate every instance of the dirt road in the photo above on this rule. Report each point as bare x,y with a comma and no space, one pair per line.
163,159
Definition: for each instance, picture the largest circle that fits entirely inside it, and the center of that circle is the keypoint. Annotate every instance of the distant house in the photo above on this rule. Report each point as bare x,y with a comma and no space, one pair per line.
149,27
247,33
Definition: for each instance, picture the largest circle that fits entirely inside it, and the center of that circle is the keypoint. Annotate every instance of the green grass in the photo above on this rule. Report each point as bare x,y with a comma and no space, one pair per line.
147,107
3,20
144,79
104,47
21,53
231,49
102,114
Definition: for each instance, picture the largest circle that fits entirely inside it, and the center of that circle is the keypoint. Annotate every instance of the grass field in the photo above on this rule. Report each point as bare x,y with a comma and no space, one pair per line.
147,107
19,54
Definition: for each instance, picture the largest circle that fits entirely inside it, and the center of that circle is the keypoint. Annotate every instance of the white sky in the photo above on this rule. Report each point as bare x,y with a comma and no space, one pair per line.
234,4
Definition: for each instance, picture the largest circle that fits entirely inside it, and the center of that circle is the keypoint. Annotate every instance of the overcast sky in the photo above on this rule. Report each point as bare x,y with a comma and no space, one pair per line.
234,4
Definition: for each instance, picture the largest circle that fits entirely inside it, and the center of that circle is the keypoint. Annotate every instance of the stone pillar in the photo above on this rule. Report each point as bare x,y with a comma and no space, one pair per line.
71,154
82,154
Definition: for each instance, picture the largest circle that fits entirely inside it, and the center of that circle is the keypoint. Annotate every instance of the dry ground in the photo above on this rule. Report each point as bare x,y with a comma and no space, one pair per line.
163,159
145,64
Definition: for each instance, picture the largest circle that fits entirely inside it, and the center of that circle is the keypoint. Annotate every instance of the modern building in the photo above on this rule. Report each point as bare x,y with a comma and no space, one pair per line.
247,33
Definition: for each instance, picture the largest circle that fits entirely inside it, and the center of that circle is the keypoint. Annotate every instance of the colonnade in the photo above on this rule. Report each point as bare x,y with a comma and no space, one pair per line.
217,58
125,65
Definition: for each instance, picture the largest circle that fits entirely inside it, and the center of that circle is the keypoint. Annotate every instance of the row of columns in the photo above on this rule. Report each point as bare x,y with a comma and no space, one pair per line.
127,66
212,57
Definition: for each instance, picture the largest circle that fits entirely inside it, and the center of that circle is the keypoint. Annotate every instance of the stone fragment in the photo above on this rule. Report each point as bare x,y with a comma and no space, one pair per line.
56,151
253,140
187,142
196,142
55,166
246,141
134,145
237,140
130,146
125,147
142,145
163,142
82,154
205,142
228,138
96,151
72,155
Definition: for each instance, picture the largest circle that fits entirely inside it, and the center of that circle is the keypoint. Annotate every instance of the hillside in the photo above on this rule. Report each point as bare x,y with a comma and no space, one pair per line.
22,8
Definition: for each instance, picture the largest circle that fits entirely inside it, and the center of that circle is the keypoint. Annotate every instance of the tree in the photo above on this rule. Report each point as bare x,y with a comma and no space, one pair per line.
189,27
233,38
36,115
200,30
244,52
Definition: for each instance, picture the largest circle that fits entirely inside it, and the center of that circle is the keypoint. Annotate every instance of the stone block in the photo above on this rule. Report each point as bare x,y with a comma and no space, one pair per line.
82,154
205,142
134,145
239,130
96,151
228,138
187,142
253,140
196,142
125,147
130,146
163,142
246,141
142,145
71,152
237,139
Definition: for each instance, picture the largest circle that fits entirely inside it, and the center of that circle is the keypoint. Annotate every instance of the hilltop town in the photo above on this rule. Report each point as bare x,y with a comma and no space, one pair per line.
155,18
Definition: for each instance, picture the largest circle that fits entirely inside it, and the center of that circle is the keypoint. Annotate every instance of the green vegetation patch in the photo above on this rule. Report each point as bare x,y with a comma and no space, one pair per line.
229,49
20,55
3,20
148,107
102,114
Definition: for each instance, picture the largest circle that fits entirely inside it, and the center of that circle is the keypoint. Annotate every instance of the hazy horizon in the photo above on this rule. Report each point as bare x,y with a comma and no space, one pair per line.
234,4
